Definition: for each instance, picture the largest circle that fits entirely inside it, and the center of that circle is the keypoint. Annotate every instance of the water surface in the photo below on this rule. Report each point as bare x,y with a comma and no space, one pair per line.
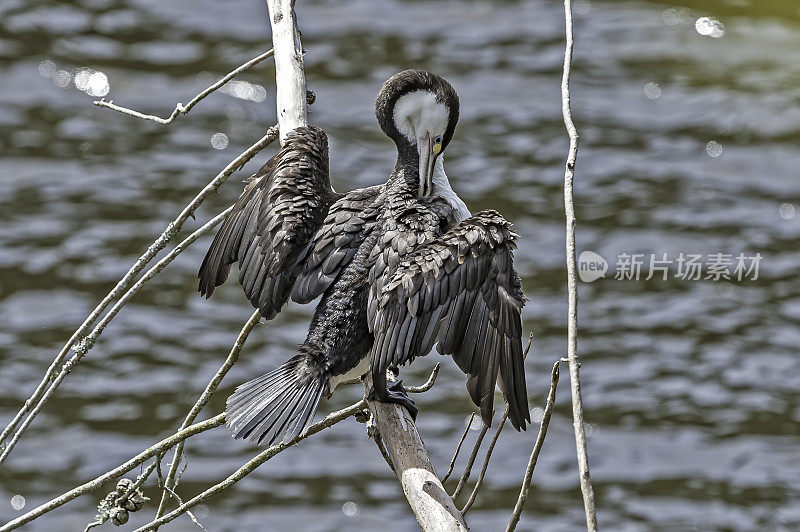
690,387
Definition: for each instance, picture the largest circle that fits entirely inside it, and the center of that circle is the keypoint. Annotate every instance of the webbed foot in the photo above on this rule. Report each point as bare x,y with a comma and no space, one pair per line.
395,393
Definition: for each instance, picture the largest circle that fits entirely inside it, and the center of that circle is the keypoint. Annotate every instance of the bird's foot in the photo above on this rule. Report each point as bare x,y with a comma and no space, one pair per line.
395,393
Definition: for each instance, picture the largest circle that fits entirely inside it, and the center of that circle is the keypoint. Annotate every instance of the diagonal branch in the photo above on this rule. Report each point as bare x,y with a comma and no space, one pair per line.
249,467
180,108
233,356
53,377
526,482
572,328
98,482
434,509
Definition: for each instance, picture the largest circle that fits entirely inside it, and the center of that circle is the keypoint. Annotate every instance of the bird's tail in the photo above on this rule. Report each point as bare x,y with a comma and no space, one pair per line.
277,406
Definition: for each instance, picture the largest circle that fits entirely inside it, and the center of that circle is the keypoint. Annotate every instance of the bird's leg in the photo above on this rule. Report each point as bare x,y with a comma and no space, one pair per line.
393,393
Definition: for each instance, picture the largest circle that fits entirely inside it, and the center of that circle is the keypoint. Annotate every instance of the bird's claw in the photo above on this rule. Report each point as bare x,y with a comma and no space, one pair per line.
395,393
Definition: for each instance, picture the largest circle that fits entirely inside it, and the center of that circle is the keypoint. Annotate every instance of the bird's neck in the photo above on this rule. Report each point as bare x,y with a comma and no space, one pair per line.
405,179
406,169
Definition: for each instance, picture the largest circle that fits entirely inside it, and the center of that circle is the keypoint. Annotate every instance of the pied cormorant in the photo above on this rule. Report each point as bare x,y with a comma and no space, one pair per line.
400,267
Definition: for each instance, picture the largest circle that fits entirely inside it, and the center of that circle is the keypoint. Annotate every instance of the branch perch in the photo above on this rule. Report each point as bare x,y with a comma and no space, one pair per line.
92,485
433,507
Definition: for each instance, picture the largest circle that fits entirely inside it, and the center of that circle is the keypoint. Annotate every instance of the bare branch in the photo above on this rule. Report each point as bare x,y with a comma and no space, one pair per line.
290,79
249,467
233,356
485,466
53,377
458,448
180,108
435,511
489,451
572,328
92,485
428,384
468,468
526,482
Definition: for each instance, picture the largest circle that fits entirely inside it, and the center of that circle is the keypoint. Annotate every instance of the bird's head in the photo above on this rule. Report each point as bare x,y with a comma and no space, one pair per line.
419,111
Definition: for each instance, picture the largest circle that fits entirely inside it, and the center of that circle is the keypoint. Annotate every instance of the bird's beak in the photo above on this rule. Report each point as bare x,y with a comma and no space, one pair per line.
426,160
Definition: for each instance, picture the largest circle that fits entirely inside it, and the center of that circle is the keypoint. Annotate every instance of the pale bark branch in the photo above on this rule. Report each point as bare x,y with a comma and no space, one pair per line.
572,288
249,467
434,509
458,448
180,108
526,481
290,79
103,479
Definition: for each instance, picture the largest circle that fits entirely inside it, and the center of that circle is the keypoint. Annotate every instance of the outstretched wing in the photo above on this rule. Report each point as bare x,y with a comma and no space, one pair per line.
271,224
461,291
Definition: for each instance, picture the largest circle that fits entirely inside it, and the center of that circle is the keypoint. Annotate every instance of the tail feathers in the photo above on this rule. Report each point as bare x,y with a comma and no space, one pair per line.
277,406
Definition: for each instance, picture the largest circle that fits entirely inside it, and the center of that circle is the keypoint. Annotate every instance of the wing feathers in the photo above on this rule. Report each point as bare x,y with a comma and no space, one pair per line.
270,226
462,292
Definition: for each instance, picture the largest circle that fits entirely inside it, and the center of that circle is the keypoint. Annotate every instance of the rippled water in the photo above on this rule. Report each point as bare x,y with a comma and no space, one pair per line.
690,387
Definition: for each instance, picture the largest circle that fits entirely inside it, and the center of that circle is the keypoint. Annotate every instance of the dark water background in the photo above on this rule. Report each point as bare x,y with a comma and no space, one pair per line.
690,387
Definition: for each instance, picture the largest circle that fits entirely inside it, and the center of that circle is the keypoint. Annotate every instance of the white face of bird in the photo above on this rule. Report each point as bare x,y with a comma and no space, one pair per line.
423,121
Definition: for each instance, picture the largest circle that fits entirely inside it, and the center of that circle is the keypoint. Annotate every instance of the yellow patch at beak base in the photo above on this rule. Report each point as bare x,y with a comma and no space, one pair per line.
437,148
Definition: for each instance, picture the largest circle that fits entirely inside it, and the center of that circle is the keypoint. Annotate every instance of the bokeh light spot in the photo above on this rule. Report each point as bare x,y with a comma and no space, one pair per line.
219,141
709,27
714,149
652,90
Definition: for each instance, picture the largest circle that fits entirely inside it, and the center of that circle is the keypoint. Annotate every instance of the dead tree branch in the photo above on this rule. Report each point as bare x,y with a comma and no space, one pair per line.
526,482
249,467
233,356
458,448
434,509
98,482
180,108
572,329
290,78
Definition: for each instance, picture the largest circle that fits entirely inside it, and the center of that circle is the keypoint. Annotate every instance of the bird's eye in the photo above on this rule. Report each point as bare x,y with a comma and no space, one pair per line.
437,144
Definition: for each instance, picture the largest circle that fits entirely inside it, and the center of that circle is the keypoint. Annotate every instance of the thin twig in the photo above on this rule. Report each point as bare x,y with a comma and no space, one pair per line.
572,329
428,384
526,482
92,525
489,451
90,339
52,379
169,490
180,108
485,466
211,387
458,448
92,485
249,467
140,479
468,469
